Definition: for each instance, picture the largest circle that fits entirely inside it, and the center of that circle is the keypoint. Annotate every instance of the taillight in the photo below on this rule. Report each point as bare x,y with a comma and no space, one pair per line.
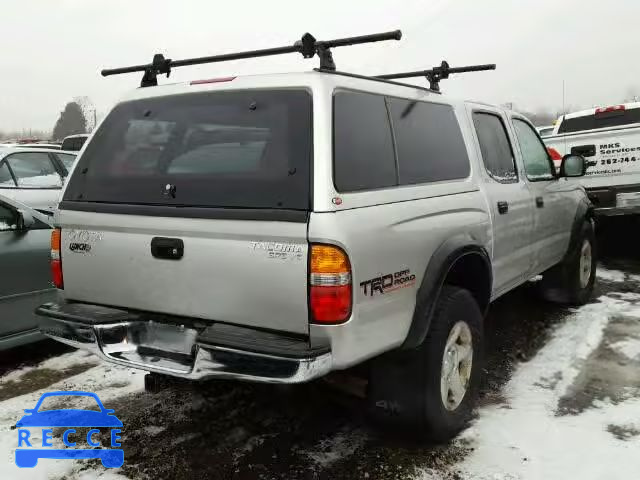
555,155
56,259
330,295
613,108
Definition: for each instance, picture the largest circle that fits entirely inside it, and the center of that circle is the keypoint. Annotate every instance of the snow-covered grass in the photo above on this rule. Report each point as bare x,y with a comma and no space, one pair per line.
527,440
109,382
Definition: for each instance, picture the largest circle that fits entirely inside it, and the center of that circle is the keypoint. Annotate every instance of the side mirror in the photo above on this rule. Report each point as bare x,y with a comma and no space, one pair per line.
25,220
573,166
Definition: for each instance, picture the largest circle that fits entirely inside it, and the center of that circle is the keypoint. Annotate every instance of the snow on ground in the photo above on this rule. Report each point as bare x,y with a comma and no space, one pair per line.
630,347
108,381
526,438
523,438
610,275
616,275
77,357
341,445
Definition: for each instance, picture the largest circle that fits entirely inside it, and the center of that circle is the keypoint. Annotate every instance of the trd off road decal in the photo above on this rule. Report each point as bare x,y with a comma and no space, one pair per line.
388,283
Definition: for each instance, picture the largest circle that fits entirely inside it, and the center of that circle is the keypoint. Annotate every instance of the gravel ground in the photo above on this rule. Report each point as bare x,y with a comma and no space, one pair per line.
315,431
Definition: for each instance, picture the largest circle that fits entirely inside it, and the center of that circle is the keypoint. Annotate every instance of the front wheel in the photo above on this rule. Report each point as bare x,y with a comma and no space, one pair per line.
572,281
431,390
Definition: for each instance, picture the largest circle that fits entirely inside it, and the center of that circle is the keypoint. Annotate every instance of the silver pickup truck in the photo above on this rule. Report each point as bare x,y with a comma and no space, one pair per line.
274,228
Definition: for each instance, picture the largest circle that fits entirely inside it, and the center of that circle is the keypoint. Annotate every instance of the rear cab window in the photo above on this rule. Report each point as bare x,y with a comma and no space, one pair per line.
73,143
364,158
495,146
382,142
244,149
607,118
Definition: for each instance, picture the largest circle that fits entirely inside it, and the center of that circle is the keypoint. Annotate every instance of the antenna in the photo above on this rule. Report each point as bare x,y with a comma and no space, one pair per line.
438,73
308,46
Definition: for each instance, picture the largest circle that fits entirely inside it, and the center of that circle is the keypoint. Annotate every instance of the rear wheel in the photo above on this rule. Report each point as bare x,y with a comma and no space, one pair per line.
431,390
571,282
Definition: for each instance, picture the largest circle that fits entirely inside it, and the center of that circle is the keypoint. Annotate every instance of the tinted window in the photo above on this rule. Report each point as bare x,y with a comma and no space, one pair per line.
231,149
67,159
6,180
495,147
616,118
363,147
73,144
537,164
34,170
429,142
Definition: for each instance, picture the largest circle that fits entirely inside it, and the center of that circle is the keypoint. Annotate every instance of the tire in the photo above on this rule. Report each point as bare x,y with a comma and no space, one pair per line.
405,387
571,282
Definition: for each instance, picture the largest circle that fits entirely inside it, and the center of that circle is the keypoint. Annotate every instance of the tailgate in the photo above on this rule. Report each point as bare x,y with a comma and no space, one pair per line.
236,271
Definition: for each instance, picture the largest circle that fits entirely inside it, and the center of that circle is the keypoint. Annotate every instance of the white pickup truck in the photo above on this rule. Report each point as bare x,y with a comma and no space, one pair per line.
609,139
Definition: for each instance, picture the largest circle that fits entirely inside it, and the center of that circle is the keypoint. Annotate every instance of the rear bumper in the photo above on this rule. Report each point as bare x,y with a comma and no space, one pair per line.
183,347
610,201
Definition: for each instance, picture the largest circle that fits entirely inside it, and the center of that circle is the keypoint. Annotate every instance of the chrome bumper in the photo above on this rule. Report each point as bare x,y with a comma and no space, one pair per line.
176,349
615,211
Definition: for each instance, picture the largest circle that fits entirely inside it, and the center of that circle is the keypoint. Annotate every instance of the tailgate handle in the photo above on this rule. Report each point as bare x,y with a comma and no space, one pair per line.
584,150
167,248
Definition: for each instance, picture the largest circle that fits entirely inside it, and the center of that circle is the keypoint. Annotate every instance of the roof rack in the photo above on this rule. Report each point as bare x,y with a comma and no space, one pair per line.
438,73
308,46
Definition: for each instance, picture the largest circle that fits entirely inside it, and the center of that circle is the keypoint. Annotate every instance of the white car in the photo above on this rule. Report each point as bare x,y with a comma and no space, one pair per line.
546,130
34,176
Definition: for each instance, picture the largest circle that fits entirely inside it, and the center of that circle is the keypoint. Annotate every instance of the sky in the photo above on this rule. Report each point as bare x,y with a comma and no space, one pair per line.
54,49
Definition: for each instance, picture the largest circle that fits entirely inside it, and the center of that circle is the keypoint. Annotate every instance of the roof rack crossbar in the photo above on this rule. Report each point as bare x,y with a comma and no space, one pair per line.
438,73
308,46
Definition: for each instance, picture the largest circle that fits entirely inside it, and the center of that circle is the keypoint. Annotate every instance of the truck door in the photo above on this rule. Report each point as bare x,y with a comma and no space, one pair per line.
510,199
553,203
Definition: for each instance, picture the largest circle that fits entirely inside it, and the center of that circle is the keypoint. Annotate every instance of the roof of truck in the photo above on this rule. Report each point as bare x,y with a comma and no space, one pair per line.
592,111
309,79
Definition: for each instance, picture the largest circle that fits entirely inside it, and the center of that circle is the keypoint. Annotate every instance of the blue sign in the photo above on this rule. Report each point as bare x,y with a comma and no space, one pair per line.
28,452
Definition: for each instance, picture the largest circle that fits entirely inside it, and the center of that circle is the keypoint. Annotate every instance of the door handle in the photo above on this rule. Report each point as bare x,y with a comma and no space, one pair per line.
503,207
539,202
167,248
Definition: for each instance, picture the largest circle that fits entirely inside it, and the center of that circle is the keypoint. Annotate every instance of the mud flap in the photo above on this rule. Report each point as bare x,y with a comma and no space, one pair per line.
394,398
